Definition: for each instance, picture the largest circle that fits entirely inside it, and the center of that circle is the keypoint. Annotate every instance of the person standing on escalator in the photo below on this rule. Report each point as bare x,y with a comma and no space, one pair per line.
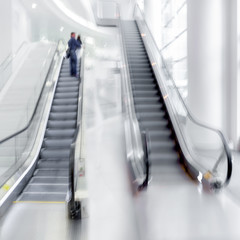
73,45
78,52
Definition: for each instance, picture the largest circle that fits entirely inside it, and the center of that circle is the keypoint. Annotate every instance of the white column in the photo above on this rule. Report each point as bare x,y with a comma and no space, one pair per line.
230,85
205,60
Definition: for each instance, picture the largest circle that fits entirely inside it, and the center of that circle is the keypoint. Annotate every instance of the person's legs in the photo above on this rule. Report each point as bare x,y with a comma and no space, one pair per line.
74,65
71,65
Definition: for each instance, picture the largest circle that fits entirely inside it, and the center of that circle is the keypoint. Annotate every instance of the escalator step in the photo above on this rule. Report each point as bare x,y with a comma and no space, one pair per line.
55,164
164,158
142,75
143,86
147,100
52,153
68,84
140,93
68,101
66,89
57,143
46,188
64,79
60,133
146,108
66,95
61,124
162,146
66,69
141,65
63,116
146,70
55,180
41,197
63,108
151,125
51,173
137,55
151,115
65,73
143,80
159,134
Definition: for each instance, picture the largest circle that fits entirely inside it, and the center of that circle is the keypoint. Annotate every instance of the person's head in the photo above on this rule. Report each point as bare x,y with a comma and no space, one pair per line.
73,34
78,37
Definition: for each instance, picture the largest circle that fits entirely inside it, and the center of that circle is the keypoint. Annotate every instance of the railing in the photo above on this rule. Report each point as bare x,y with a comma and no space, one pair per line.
76,163
16,148
204,147
174,41
146,150
5,66
135,145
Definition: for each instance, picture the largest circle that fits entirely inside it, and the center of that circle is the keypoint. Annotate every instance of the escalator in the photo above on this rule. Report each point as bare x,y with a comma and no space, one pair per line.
51,176
149,105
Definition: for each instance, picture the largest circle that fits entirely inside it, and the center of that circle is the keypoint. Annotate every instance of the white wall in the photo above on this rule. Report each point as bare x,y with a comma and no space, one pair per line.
212,64
230,83
5,27
14,25
152,10
20,25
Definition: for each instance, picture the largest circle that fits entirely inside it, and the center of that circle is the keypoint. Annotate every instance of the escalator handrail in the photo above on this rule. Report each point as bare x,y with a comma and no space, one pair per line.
146,150
11,56
72,186
116,22
219,132
132,113
37,103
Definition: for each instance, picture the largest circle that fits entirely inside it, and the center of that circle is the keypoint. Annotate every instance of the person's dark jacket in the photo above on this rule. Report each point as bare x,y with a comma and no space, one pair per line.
73,44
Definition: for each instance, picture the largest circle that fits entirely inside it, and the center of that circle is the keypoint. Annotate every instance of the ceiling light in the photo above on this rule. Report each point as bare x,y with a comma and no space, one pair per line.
34,5
61,29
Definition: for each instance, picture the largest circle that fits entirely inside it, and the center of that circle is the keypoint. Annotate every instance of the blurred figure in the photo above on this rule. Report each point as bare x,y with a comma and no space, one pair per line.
73,45
79,49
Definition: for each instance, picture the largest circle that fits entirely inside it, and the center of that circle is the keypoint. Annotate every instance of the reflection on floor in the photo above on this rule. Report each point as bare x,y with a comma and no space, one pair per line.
38,221
110,199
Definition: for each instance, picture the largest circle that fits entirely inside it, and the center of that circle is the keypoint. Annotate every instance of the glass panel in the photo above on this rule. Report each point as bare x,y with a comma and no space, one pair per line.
15,150
174,39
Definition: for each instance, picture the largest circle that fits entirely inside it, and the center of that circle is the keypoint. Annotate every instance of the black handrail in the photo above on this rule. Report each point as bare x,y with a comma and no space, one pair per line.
74,207
145,141
36,106
12,56
217,131
146,151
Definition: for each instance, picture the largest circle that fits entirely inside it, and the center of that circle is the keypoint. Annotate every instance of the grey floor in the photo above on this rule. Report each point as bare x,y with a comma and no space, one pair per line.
40,221
111,210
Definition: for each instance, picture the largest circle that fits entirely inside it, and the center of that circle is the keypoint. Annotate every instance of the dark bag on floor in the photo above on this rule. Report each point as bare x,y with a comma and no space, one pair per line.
68,53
